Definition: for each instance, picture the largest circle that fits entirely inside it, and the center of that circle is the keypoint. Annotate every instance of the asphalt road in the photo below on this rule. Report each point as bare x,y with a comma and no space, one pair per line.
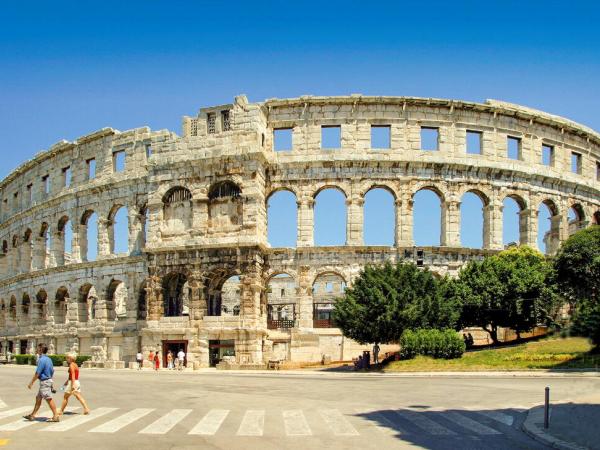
221,410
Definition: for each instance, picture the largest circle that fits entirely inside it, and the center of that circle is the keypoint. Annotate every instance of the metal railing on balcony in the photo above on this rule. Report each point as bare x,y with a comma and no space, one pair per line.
274,324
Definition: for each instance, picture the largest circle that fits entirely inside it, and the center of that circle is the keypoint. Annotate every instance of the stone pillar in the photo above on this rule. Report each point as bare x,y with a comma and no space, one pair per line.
492,226
450,235
135,229
304,296
198,304
354,221
104,229
305,222
200,215
557,233
58,249
154,298
528,227
404,221
75,243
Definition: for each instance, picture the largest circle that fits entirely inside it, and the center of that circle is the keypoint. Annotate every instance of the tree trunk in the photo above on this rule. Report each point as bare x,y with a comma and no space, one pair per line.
493,332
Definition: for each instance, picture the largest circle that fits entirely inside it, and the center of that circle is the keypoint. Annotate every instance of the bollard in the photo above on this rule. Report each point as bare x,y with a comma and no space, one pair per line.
547,408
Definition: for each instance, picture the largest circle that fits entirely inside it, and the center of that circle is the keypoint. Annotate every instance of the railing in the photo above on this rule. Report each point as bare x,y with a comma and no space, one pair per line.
322,323
280,323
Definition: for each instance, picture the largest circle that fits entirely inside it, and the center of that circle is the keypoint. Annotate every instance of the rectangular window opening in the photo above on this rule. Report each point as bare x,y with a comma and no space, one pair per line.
211,119
119,161
46,184
597,170
474,142
148,151
576,163
225,120
16,201
381,136
430,138
282,139
547,155
331,136
66,173
91,168
513,147
30,193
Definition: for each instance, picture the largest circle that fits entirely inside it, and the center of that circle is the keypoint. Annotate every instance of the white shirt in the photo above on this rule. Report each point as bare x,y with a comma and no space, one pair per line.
139,356
181,355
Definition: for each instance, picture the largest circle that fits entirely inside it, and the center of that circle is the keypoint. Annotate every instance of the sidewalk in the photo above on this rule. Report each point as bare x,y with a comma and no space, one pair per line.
573,425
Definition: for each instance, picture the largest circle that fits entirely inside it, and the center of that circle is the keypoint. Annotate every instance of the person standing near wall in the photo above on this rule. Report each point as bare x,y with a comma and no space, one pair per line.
140,360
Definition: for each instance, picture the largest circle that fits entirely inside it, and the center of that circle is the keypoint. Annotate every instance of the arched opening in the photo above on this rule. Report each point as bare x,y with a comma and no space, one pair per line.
282,219
12,310
471,220
117,299
576,218
548,227
175,295
231,296
597,218
25,307
2,314
142,309
327,287
177,210
118,231
513,222
225,207
46,246
427,217
142,230
330,217
40,311
379,217
65,234
89,238
282,301
86,304
60,305
26,251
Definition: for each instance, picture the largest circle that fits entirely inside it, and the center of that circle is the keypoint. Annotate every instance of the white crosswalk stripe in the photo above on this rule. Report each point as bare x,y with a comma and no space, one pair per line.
381,423
469,424
24,423
425,423
14,412
69,424
252,424
166,422
210,423
337,422
295,423
122,421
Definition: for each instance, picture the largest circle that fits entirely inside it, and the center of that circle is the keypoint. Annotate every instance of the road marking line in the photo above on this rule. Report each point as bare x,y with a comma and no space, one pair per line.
14,412
24,423
377,420
469,424
210,423
419,419
505,419
295,423
69,424
166,422
122,421
253,423
338,423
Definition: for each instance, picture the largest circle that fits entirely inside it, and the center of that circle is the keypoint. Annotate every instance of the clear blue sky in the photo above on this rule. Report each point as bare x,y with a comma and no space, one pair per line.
69,68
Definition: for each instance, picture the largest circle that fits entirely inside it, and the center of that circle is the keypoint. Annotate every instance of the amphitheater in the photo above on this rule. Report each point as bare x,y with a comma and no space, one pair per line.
197,270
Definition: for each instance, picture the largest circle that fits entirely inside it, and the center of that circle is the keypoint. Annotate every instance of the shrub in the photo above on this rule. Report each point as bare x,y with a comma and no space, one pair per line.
57,360
24,359
445,344
81,359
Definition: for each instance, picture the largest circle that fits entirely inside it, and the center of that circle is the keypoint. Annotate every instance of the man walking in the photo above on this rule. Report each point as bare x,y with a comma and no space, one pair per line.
376,350
140,360
180,359
43,373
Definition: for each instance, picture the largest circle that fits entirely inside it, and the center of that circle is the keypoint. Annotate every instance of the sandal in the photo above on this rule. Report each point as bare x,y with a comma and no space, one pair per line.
54,419
29,417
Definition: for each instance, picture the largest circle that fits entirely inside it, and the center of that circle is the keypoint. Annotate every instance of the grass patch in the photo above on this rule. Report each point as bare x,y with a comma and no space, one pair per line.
550,353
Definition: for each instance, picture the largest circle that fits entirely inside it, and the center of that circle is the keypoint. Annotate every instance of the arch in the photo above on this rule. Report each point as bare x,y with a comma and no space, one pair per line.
117,299
118,230
231,297
175,295
427,216
326,288
177,210
548,226
224,189
12,309
5,246
27,235
2,314
142,306
379,216
282,301
65,234
282,218
40,311
597,218
177,194
330,217
472,226
86,303
25,305
15,241
88,241
60,305
576,218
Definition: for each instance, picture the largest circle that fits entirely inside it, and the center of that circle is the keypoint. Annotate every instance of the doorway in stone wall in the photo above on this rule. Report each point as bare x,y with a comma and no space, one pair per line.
174,347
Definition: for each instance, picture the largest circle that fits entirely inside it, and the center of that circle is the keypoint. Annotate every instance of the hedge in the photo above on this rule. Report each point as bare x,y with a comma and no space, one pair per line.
24,359
446,344
57,360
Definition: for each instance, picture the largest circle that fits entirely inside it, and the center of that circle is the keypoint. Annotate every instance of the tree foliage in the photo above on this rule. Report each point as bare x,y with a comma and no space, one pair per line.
577,274
385,300
509,289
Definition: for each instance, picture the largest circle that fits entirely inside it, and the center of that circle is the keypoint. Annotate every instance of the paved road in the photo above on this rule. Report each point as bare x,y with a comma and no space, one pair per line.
226,411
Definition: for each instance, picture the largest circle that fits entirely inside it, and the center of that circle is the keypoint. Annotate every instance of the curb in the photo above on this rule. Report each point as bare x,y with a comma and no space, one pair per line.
530,426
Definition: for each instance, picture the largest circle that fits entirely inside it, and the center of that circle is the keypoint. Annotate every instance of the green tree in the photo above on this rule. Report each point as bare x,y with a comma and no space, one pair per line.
577,274
385,300
509,289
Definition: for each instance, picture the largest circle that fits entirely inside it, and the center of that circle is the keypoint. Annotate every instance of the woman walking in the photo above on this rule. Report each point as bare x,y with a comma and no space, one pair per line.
72,386
156,361
170,360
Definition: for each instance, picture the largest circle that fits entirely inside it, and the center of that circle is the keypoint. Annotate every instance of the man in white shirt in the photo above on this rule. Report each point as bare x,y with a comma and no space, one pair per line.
140,360
180,359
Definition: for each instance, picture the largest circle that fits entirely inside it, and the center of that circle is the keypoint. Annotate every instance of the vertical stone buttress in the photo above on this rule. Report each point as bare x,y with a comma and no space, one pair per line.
450,235
305,222
354,221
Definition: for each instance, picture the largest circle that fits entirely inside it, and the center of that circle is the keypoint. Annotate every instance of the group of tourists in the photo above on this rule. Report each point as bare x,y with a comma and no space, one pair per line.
44,372
173,361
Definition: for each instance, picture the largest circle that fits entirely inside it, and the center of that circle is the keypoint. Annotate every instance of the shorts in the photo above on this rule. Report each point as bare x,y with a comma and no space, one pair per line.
76,387
45,390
